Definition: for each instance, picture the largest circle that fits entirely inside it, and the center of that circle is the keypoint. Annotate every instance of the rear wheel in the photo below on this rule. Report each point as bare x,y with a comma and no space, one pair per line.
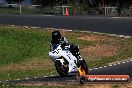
61,69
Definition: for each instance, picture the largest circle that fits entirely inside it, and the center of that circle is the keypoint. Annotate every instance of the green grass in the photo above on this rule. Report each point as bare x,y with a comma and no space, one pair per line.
6,10
16,10
29,10
18,45
23,74
24,51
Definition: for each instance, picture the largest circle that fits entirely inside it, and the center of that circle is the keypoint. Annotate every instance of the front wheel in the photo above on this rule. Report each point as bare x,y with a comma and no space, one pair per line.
81,80
61,69
84,65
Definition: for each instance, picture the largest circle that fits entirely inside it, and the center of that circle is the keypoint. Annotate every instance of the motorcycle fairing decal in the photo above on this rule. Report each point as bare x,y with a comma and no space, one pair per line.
69,56
56,51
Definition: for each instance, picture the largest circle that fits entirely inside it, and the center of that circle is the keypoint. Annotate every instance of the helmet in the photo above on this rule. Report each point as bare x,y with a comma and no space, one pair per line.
56,36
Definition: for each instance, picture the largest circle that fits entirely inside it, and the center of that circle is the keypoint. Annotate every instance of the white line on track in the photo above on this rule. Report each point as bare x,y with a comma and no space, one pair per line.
18,79
110,65
90,69
95,68
118,63
35,77
26,78
124,36
115,64
123,62
47,15
35,27
100,67
45,76
105,66
116,17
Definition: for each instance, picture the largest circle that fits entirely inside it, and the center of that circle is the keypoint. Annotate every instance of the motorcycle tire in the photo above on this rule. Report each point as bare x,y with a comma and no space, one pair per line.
63,71
81,80
84,65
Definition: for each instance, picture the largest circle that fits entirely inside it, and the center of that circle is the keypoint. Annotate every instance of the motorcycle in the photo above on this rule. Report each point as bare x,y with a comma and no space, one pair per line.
65,62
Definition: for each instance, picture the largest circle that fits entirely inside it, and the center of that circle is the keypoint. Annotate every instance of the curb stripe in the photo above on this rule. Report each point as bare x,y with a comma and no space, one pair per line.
17,79
26,78
90,69
123,62
115,64
35,77
45,76
100,67
105,66
110,65
118,63
116,35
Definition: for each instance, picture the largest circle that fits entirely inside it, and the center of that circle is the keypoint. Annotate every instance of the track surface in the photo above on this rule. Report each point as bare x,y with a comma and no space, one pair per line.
122,26
112,25
120,68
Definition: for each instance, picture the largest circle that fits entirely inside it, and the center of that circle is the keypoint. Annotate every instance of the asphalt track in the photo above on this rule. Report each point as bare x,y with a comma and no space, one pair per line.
120,68
112,25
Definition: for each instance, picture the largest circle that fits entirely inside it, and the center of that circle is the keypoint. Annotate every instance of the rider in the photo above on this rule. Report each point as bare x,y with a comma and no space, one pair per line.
57,38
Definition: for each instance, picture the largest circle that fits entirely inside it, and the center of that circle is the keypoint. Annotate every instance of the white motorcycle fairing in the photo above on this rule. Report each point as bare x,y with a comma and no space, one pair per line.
58,52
